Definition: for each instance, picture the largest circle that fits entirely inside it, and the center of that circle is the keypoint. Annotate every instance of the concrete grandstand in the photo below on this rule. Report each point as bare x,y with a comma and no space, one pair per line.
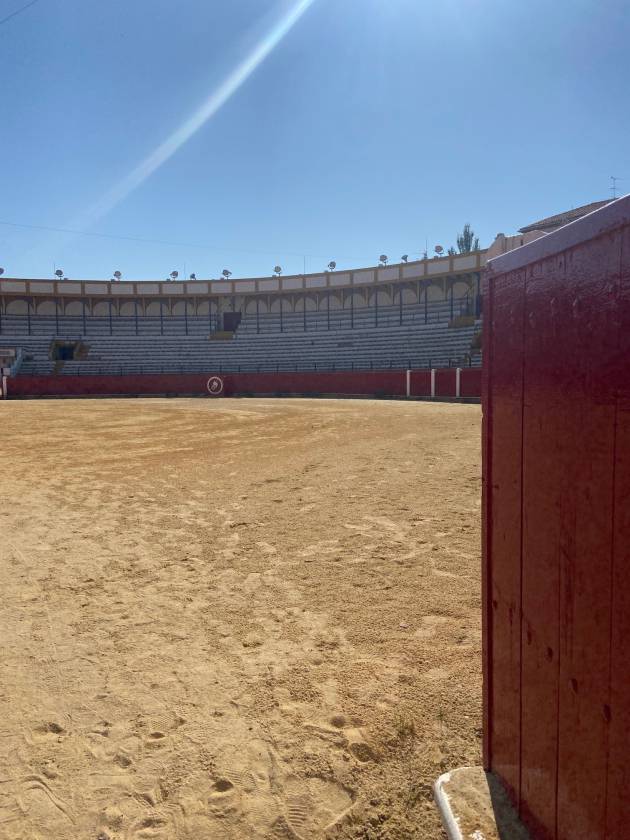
410,315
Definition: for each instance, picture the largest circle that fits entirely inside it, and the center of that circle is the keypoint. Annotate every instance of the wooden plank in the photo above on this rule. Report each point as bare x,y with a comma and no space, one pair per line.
504,527
546,451
487,402
618,707
589,327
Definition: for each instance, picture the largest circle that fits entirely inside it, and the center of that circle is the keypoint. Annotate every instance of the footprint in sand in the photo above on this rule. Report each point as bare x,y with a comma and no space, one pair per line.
311,807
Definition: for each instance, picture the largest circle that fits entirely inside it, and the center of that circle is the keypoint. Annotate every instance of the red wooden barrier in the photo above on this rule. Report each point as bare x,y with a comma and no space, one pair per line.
556,546
421,383
390,383
470,384
445,382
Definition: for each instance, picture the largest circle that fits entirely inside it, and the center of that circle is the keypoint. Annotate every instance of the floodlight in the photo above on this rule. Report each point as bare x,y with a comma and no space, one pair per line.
226,273
405,257
59,273
277,270
332,265
383,259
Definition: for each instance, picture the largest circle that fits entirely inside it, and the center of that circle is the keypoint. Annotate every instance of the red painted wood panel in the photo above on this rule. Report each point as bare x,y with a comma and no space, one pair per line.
503,542
470,383
68,386
573,726
487,404
590,327
421,383
391,383
618,770
358,383
445,382
548,452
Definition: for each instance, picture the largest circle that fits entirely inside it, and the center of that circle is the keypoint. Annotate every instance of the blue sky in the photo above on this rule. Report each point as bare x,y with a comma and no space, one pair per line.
370,127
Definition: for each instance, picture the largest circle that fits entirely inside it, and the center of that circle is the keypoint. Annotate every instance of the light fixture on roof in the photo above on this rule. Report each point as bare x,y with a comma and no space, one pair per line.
59,273
277,270
405,257
226,273
1,270
332,265
193,276
439,250
383,259
117,275
174,275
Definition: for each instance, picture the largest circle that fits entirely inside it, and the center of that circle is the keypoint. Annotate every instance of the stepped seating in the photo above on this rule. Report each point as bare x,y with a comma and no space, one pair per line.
337,340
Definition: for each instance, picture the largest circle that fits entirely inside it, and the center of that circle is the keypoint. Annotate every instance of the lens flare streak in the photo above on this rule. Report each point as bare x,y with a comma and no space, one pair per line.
228,87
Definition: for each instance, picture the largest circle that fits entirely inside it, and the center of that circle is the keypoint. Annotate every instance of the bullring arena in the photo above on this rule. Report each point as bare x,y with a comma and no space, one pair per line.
237,618
269,618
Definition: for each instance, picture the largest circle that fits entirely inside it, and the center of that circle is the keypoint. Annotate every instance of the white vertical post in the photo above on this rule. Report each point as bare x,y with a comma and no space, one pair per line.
458,380
408,383
3,388
432,382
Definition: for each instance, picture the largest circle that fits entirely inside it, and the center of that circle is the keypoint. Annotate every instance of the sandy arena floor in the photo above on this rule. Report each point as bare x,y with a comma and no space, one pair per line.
236,618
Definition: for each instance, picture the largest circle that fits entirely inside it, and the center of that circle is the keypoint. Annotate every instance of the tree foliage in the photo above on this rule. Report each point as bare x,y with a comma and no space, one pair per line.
466,241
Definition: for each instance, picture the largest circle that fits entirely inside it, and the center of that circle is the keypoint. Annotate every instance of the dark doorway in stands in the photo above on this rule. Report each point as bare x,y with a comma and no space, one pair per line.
65,351
231,320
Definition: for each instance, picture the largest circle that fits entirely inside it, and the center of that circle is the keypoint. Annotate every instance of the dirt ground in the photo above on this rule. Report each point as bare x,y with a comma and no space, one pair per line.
236,618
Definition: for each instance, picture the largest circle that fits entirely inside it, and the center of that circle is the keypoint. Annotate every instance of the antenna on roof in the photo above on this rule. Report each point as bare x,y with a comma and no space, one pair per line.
439,250
277,270
174,275
1,270
193,276
332,265
613,188
226,273
383,259
59,273
117,275
405,257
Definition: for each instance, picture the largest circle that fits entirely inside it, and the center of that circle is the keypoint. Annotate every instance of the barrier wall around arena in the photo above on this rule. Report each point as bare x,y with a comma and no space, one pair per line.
376,383
556,562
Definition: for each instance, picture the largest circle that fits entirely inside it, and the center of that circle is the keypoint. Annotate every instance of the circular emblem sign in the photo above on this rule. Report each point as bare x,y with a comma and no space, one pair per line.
215,386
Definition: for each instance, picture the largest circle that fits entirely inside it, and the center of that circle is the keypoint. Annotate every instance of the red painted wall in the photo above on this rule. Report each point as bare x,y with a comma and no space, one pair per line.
556,544
445,382
392,383
470,383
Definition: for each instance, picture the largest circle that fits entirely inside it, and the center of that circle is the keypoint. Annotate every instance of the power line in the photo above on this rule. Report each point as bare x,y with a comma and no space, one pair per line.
18,11
168,242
